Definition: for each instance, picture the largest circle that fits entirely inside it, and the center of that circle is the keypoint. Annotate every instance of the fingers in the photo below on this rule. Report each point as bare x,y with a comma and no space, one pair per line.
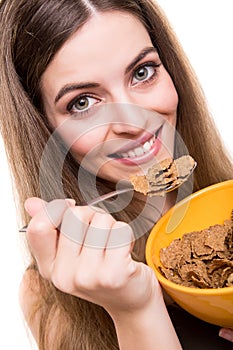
42,231
80,251
89,251
226,333
121,236
34,205
119,248
88,227
75,224
98,232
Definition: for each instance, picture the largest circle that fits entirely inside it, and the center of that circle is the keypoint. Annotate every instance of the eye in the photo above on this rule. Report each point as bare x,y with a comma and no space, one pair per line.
81,104
145,73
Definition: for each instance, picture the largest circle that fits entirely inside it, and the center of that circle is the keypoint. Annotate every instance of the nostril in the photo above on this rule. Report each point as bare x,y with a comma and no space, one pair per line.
127,129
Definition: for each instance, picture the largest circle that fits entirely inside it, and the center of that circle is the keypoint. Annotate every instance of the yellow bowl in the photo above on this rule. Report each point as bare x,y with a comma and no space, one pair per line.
209,206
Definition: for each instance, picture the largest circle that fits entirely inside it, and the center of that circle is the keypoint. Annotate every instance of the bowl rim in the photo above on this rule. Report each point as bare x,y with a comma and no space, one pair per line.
167,284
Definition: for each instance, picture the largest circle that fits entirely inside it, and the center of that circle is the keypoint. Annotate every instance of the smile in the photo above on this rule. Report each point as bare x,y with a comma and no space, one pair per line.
142,153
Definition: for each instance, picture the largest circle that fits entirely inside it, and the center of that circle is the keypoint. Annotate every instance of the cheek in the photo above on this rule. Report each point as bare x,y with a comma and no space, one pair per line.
170,96
164,98
81,147
167,98
88,143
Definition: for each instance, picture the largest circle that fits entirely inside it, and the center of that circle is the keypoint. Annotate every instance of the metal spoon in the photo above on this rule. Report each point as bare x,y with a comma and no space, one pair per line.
129,188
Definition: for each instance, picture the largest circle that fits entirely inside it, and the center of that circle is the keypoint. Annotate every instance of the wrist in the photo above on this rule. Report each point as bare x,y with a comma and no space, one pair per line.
149,327
136,314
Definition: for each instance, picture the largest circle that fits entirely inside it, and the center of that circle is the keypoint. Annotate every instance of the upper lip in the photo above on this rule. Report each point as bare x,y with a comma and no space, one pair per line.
132,144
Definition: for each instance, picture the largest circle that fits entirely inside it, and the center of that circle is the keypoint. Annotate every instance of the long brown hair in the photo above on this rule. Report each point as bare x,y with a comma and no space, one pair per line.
32,31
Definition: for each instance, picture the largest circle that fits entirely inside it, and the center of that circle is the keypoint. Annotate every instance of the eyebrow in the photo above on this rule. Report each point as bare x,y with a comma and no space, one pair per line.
87,85
71,87
139,57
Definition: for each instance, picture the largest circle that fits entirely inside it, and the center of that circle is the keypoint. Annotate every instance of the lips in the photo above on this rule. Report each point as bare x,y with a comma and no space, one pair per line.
142,152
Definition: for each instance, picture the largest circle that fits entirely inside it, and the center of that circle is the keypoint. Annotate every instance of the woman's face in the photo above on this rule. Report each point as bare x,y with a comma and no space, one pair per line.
111,99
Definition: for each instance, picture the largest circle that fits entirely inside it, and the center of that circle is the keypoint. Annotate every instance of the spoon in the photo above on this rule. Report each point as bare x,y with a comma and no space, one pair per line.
129,188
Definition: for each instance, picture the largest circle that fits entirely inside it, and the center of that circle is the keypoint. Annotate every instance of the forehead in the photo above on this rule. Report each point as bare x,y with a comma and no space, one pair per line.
106,38
107,26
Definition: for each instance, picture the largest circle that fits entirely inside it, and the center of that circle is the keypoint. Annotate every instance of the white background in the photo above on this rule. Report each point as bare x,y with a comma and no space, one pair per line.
204,28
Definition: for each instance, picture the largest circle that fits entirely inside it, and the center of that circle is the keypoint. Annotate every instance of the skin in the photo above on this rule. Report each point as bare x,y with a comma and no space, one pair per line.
95,135
128,290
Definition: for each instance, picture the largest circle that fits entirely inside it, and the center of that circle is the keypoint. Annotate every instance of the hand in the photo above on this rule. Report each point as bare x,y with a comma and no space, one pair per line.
90,256
226,333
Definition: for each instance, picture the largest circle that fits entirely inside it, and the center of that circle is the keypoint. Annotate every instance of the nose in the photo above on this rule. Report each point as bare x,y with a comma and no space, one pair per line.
127,118
126,129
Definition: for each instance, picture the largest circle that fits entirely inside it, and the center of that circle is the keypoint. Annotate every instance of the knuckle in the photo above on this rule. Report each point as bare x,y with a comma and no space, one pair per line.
59,204
71,211
57,281
103,214
123,226
102,220
84,211
73,221
111,282
60,281
37,227
76,214
84,281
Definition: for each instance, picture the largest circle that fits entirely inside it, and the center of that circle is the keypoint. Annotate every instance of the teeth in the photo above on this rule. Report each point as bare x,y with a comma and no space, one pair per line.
147,146
131,154
139,151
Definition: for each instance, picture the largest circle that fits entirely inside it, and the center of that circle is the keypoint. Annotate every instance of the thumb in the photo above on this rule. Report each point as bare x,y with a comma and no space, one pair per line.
33,205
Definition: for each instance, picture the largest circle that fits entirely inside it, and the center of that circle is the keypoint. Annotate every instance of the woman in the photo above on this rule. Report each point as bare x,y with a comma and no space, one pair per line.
105,102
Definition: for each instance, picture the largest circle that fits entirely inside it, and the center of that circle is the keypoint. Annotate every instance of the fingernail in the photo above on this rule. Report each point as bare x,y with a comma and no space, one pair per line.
70,202
226,334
